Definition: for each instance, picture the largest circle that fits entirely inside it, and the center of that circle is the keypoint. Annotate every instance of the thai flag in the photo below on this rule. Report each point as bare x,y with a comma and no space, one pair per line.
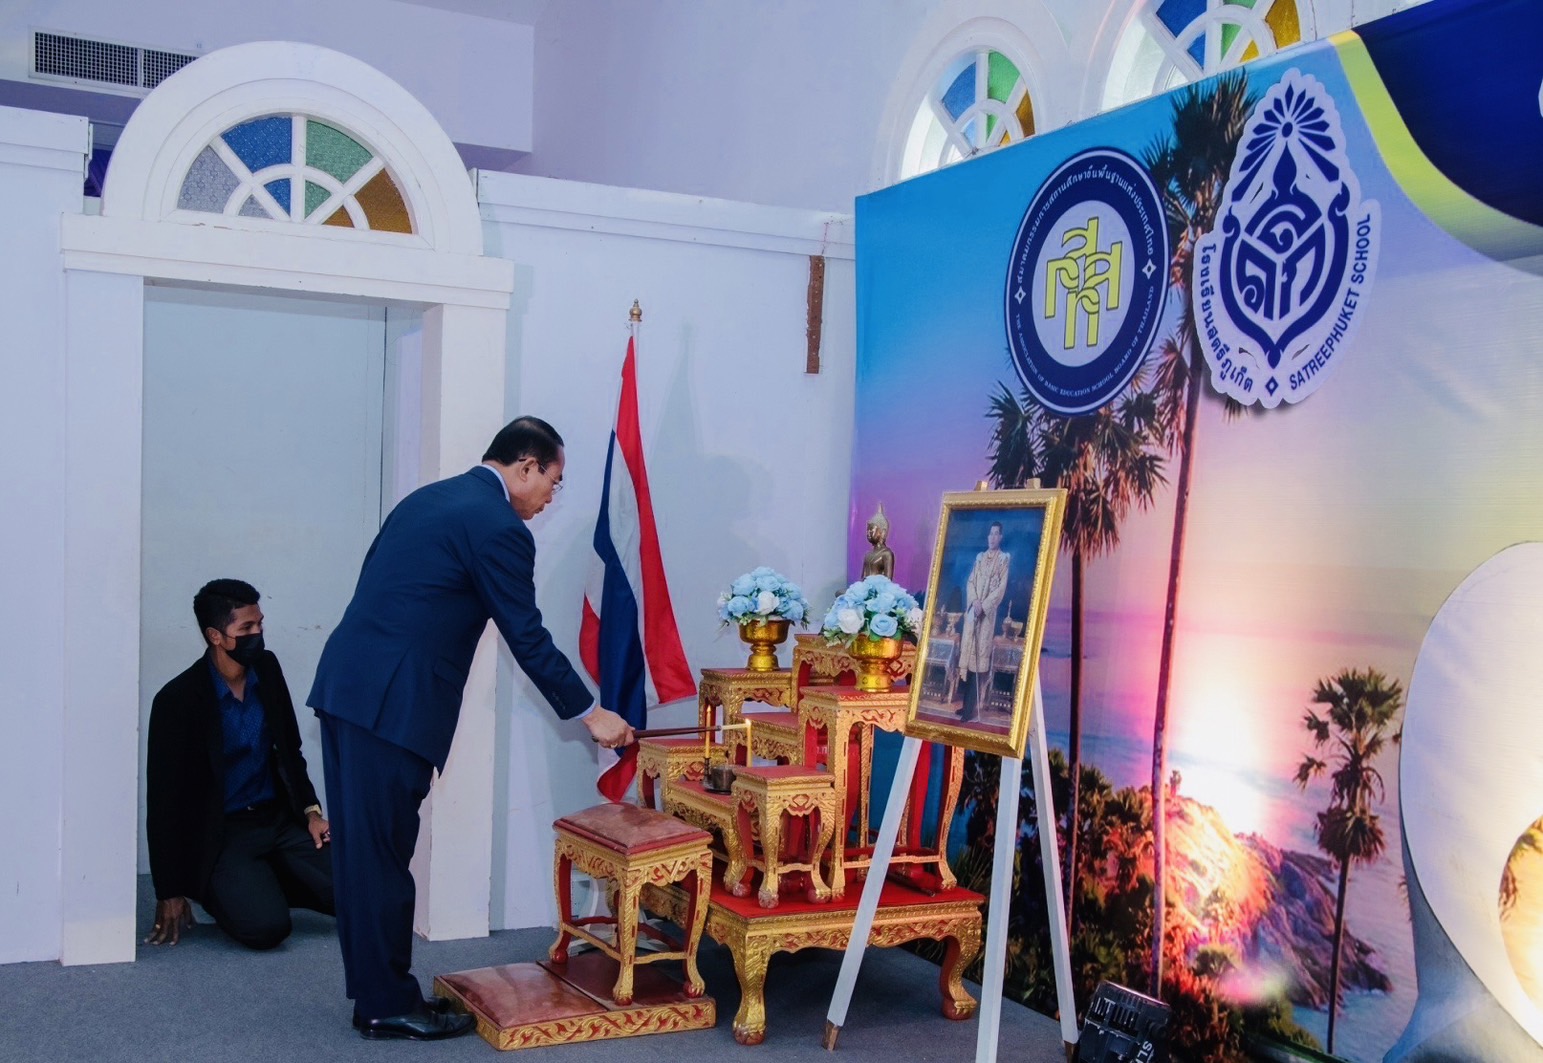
628,640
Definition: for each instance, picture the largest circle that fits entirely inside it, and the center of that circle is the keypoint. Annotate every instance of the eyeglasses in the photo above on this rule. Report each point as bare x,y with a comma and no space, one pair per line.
557,484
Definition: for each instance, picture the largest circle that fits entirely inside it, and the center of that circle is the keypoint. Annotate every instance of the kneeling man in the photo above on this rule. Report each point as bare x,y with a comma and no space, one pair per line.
232,818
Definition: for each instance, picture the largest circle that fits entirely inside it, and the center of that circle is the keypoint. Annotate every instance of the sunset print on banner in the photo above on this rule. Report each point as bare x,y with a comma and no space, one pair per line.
1318,540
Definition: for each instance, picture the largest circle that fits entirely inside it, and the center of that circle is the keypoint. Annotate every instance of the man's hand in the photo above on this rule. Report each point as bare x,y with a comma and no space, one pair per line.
609,729
172,917
321,830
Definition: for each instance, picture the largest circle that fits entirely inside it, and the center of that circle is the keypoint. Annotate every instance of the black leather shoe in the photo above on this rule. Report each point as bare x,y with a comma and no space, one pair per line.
438,1005
421,1025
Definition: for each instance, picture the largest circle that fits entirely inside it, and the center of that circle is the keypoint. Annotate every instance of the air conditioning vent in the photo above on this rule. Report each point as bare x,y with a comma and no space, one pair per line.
158,65
58,56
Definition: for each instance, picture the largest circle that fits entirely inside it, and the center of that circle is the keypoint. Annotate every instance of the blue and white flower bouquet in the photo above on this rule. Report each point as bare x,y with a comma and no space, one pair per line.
762,594
877,607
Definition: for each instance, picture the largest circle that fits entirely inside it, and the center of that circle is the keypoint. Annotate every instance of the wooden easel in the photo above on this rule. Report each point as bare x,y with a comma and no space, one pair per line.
1001,888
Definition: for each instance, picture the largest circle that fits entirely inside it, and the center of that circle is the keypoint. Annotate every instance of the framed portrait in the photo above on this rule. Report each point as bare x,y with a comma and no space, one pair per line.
987,597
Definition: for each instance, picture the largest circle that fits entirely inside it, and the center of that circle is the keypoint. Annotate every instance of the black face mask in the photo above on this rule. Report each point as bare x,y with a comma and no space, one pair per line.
248,649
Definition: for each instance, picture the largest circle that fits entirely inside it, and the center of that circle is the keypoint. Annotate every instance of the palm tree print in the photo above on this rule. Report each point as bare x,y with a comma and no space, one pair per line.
1360,713
1190,169
1108,461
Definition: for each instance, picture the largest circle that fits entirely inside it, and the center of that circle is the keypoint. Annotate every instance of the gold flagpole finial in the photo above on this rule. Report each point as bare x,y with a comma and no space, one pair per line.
636,314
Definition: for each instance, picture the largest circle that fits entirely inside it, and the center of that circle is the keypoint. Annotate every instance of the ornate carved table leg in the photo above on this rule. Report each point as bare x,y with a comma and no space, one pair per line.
959,953
562,874
698,886
750,961
771,847
627,933
825,826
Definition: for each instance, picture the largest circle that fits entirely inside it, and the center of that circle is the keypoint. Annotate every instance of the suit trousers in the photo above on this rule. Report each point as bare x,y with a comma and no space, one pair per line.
267,865
374,789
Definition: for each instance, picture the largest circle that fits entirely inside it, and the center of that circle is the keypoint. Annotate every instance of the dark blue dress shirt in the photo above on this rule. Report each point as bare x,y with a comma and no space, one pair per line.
248,780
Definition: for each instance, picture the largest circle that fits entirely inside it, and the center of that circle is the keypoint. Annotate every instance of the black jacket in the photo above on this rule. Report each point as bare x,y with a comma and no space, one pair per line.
185,773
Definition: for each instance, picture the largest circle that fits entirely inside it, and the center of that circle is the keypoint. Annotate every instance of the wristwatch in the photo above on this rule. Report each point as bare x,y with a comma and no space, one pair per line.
312,808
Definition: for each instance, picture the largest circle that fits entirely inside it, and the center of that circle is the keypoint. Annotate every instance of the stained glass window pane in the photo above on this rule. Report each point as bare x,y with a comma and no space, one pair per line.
383,206
1001,77
333,151
1176,14
1026,115
1284,22
263,150
1149,58
208,185
315,196
279,190
978,104
961,93
262,142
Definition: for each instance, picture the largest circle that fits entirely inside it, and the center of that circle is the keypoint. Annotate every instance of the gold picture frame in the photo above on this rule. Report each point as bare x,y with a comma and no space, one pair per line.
978,652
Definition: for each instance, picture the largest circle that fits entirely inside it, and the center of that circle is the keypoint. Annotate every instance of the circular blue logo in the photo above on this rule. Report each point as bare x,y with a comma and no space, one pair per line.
1087,281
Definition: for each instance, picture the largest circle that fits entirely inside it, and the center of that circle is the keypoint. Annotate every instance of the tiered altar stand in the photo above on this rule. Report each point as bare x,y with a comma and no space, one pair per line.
779,849
789,837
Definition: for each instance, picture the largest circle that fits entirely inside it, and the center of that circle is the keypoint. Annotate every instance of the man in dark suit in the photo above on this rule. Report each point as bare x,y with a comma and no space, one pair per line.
231,817
450,557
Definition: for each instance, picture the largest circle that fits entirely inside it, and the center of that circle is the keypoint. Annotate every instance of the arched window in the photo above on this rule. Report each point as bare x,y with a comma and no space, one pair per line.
289,167
978,104
1174,42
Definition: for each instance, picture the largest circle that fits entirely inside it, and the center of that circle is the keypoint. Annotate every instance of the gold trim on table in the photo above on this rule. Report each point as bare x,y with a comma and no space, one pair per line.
753,941
715,813
837,711
656,867
827,664
761,801
663,760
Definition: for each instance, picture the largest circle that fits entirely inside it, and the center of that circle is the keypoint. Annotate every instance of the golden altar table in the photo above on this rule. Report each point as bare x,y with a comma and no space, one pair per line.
821,793
754,934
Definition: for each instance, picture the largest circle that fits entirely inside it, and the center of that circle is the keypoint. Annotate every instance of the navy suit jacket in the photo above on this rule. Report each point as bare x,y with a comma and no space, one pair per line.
450,557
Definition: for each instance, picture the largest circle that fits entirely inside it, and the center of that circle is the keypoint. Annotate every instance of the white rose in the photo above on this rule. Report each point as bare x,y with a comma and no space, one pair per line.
765,602
914,618
850,621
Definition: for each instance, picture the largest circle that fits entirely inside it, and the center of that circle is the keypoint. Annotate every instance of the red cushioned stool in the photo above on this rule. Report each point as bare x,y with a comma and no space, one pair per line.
633,847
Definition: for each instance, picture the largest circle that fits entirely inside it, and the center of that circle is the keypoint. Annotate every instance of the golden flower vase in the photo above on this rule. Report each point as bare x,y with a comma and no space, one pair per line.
873,657
764,636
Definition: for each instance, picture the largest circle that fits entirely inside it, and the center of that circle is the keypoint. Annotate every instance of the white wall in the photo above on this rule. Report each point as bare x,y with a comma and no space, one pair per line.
748,457
789,103
40,159
473,73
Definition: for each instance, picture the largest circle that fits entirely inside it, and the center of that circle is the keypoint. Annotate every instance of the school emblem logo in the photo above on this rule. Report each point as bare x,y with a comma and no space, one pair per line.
1280,289
1087,281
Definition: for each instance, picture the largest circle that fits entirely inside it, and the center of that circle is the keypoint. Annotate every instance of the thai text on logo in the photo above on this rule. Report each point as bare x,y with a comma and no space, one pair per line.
1087,281
1280,289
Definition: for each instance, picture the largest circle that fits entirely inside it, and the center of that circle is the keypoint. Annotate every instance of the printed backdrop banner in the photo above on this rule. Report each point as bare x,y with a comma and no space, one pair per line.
1278,334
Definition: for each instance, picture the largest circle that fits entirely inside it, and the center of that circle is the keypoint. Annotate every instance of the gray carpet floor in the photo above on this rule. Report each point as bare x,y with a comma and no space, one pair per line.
207,1000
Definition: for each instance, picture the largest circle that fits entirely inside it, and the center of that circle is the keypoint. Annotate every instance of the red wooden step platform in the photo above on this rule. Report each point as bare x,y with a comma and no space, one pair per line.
533,1005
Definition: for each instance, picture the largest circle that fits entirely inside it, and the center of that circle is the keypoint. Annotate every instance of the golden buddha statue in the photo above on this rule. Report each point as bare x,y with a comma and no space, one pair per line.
880,561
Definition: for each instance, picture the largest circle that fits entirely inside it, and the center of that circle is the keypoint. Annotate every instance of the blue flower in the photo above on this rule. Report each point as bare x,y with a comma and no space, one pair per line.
882,602
739,605
883,626
793,610
743,586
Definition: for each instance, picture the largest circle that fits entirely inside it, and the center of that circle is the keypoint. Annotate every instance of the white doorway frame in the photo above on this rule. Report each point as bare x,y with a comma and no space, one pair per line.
141,235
